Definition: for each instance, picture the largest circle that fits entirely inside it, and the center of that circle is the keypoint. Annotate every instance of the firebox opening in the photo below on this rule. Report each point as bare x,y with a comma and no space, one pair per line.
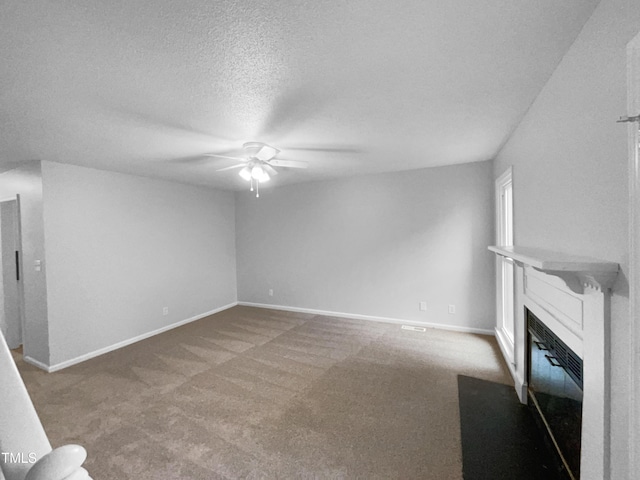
555,391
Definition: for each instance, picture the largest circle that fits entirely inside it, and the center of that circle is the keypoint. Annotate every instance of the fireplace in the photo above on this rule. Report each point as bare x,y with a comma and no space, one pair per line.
555,392
569,296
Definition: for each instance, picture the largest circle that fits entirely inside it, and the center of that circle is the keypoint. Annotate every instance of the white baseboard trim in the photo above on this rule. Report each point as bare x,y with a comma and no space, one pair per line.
357,316
35,362
521,389
124,343
506,348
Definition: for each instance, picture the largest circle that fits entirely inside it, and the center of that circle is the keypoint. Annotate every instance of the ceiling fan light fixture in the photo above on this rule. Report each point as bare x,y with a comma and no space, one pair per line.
257,172
245,173
257,165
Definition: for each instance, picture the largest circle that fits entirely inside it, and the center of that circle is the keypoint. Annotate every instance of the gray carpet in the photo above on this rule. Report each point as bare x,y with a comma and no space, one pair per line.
253,393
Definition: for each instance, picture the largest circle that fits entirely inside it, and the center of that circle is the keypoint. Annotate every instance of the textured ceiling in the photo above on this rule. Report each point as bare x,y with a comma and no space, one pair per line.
146,87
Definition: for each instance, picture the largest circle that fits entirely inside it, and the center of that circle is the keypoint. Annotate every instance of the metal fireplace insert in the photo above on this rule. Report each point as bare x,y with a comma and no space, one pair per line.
555,392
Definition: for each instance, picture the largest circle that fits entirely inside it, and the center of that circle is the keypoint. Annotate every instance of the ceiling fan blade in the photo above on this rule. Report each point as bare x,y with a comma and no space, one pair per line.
191,160
267,152
232,167
312,148
222,156
270,170
288,163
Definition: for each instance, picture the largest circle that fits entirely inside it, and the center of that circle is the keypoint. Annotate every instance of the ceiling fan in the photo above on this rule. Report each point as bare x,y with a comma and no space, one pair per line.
257,164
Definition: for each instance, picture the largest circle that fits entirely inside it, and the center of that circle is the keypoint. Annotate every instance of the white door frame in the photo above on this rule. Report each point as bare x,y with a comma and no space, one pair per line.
20,283
633,108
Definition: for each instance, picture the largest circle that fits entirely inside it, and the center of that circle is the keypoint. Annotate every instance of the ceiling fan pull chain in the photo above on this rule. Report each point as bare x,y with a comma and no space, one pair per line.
257,188
251,185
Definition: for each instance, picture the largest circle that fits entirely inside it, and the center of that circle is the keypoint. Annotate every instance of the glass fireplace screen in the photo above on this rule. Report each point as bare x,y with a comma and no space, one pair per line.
555,388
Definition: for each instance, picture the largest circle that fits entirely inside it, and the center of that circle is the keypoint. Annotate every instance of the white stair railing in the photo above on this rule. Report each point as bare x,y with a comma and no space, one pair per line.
25,451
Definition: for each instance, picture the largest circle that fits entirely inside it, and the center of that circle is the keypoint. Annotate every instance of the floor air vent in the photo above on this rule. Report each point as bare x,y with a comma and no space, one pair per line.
414,329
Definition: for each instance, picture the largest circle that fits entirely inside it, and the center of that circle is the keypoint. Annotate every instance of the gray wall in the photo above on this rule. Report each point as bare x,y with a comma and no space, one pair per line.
120,248
374,245
570,173
26,181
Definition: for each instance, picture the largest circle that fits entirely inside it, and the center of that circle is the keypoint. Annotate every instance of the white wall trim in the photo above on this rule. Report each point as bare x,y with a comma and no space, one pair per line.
357,316
124,343
506,347
519,382
633,108
35,362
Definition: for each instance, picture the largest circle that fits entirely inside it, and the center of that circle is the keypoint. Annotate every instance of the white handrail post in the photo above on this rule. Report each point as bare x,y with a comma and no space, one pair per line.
63,463
22,438
25,451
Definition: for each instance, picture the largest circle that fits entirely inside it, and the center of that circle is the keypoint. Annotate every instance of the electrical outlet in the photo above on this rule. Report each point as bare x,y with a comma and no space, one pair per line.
423,306
165,310
271,292
452,309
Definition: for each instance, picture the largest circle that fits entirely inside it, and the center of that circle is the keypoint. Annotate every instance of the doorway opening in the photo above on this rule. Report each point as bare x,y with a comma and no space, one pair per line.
11,285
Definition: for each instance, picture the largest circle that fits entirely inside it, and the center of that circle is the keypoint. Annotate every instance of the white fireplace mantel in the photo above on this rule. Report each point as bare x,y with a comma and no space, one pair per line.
576,271
571,296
